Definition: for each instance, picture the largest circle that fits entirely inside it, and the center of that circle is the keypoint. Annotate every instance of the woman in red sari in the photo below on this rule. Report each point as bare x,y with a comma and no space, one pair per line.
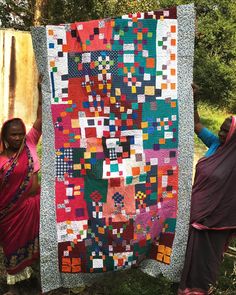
213,205
19,198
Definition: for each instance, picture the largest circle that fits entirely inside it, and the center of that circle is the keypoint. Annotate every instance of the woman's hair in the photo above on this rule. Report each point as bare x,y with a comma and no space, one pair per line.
5,128
232,120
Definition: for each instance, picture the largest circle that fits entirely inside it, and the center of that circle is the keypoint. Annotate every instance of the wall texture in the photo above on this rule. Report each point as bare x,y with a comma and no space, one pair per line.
18,77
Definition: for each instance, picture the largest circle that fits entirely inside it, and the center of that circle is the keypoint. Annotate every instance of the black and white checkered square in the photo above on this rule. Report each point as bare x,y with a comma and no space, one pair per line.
63,166
112,154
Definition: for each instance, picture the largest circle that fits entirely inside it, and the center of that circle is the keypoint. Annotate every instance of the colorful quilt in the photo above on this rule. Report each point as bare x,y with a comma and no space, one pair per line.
117,140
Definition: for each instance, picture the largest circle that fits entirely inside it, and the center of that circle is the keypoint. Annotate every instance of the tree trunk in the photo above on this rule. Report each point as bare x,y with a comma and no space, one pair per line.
38,12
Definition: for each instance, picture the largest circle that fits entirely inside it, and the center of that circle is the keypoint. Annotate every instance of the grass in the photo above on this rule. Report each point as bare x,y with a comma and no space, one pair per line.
212,117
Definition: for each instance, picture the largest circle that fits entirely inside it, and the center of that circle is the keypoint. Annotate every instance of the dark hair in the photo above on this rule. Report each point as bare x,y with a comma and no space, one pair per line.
230,118
6,126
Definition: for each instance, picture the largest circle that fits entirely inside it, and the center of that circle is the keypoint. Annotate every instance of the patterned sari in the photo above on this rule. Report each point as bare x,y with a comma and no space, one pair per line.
19,212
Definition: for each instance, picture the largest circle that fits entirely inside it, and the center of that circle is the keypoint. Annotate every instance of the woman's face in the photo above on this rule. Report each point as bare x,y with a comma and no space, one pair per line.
15,135
224,130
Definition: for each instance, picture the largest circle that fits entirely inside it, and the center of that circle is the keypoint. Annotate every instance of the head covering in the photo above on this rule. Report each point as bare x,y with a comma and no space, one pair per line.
3,131
232,128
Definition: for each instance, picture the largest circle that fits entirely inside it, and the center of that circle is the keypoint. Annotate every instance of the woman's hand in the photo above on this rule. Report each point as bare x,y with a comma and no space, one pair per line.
195,88
38,122
40,79
197,123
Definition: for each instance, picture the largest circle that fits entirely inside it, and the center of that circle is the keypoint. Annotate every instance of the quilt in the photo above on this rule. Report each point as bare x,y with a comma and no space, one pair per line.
117,144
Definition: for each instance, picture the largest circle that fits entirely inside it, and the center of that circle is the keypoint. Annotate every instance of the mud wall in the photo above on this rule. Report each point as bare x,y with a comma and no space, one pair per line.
18,77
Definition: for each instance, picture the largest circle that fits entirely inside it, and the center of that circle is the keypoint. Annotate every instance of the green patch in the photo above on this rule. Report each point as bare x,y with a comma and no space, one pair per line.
93,186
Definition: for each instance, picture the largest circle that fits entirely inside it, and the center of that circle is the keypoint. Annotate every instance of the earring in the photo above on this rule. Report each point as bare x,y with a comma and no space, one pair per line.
6,144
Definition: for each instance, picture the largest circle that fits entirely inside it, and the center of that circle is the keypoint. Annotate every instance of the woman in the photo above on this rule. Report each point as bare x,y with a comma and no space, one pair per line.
213,205
19,198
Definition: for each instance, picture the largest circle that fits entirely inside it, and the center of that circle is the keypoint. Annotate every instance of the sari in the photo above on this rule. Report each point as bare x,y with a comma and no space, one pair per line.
19,212
212,218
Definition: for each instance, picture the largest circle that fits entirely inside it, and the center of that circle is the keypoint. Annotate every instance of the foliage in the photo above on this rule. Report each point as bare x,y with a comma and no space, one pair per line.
64,11
126,7
215,55
17,14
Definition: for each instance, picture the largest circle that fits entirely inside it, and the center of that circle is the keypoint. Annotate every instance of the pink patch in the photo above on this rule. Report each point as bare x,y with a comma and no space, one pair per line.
70,203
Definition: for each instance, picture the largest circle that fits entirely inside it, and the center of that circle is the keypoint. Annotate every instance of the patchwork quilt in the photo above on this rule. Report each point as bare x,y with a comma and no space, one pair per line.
117,144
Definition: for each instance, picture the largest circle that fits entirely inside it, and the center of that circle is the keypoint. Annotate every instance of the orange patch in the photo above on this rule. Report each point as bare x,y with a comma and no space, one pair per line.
173,72
129,122
173,42
147,168
162,141
150,62
140,47
172,56
163,86
132,70
173,104
172,86
173,29
52,63
64,48
135,171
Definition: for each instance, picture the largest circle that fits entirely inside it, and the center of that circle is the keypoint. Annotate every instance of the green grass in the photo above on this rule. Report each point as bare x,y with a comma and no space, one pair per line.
212,117
134,282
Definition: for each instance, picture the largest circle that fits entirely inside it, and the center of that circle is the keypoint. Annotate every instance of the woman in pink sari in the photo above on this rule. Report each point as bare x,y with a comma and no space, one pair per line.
19,198
213,205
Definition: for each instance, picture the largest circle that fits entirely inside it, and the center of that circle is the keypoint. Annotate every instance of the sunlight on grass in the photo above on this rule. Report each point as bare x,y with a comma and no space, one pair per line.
212,117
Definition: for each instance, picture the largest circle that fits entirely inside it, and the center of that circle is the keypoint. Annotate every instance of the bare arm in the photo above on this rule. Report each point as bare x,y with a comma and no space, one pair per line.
197,122
38,122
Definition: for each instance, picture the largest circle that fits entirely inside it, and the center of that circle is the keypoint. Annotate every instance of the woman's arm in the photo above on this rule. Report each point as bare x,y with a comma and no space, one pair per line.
38,122
197,122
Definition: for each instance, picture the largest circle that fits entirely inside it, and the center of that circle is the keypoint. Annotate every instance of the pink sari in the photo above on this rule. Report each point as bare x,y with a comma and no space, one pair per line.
19,212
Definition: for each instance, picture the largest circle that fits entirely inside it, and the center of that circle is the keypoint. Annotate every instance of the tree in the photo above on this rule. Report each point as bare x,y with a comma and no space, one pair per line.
215,55
38,11
17,14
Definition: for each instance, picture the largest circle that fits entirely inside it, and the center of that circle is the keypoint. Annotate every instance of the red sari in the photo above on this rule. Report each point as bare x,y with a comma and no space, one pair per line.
19,213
